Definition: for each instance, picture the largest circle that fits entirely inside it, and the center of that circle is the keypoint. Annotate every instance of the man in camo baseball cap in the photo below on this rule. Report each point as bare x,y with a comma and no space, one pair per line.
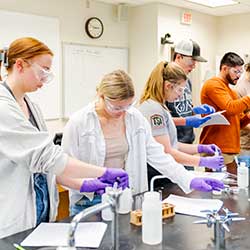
189,48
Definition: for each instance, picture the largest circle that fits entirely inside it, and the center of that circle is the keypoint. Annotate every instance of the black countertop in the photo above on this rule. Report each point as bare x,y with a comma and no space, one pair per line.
179,232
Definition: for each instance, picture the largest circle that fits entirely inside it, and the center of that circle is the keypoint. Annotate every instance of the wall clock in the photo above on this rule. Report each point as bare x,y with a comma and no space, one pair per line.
94,27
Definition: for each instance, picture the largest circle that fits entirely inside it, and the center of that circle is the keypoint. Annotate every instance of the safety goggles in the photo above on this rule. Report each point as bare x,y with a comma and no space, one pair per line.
179,90
44,76
114,108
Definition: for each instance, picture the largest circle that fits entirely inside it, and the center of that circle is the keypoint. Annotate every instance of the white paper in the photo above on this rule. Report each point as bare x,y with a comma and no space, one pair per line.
87,234
216,175
216,119
189,206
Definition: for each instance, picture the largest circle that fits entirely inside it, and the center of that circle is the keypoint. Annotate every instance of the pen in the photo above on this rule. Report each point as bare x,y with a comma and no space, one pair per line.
231,175
217,153
236,160
229,181
18,247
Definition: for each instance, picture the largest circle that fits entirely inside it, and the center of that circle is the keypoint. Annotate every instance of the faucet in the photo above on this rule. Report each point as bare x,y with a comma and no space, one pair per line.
156,177
113,203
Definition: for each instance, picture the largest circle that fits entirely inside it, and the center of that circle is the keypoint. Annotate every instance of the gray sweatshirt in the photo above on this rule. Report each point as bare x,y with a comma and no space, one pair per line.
24,150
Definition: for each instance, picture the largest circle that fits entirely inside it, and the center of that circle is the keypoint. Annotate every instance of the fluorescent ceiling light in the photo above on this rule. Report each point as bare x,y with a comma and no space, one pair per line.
214,3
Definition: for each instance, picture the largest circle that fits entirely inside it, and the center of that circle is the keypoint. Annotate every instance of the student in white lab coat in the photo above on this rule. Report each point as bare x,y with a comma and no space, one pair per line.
29,161
111,132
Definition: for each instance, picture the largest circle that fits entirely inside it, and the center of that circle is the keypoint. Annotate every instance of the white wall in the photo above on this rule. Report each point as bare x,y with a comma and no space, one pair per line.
143,47
234,35
202,30
148,23
216,35
72,15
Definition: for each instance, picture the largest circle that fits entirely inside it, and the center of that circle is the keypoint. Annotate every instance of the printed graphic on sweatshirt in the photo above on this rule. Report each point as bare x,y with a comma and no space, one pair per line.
183,106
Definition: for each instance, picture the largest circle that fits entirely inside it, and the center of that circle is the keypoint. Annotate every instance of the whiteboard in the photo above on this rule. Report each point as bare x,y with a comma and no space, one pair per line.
83,68
46,29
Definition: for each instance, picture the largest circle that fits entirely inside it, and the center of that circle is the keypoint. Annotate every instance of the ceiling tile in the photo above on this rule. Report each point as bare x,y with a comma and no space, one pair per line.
242,7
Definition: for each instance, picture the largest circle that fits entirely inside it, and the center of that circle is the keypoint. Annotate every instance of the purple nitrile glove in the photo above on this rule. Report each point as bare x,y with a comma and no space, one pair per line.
101,191
93,185
209,149
123,183
206,184
196,121
113,175
203,109
213,162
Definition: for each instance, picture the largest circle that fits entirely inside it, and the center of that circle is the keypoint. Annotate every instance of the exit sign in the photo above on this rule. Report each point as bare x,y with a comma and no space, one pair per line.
186,18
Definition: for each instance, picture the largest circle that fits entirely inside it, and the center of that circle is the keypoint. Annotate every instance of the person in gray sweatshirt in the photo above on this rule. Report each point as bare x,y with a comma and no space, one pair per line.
29,161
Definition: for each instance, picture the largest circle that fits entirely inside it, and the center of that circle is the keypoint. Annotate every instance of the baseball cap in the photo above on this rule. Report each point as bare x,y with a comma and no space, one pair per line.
189,48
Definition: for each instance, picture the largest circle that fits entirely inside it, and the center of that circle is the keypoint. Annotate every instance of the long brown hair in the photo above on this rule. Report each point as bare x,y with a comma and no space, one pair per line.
24,48
154,88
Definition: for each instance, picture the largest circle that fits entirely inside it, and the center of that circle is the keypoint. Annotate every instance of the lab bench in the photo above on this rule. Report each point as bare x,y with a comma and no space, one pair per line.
179,232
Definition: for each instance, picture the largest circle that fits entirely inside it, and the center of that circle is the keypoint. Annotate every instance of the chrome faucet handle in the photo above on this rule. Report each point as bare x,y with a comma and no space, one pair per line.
115,191
220,223
114,194
225,226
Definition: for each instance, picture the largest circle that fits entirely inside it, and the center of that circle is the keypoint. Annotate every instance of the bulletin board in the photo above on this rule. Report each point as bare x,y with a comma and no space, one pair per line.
83,68
46,29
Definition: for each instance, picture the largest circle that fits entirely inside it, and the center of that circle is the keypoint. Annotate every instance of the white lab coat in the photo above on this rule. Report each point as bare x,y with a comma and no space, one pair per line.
83,139
24,151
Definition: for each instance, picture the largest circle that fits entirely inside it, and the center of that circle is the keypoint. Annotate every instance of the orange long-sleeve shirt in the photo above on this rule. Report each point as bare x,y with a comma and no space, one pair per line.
217,93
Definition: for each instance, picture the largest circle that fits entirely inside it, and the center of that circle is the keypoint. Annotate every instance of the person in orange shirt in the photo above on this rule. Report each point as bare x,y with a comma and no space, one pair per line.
217,93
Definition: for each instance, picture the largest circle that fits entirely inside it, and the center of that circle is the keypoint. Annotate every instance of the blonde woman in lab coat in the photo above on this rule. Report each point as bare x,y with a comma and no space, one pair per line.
110,131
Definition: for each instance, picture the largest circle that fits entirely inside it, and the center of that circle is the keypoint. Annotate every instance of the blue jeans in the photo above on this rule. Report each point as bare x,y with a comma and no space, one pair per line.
84,203
42,198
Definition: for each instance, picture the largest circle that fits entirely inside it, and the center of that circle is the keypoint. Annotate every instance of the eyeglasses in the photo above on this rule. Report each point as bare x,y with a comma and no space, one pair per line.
236,71
113,108
44,76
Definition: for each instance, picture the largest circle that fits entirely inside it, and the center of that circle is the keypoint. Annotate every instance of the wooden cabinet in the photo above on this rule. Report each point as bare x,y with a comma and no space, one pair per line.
63,208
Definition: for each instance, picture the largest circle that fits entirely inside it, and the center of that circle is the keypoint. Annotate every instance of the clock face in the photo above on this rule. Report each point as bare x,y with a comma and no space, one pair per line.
94,27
